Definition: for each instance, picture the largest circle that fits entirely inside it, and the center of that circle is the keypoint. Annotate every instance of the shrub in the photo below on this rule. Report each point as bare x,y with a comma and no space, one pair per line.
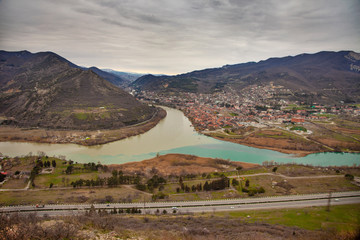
349,176
141,187
239,168
261,190
251,193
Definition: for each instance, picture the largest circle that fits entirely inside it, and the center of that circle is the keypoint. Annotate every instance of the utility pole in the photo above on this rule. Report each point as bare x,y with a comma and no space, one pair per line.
329,201
144,204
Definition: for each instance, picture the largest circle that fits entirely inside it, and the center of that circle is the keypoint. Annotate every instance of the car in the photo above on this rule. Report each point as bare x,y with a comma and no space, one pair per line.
336,199
232,207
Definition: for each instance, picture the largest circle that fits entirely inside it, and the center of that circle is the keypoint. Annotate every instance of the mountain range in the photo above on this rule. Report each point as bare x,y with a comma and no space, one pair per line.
45,90
127,76
327,77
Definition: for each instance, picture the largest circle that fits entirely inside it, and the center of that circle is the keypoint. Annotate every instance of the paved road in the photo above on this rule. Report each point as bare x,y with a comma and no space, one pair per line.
201,206
287,177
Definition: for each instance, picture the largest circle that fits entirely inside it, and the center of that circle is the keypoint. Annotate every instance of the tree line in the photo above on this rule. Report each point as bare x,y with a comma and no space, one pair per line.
117,178
214,185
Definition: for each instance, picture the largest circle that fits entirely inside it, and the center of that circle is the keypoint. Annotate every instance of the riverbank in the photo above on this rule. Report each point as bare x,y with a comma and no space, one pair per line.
85,138
338,135
258,144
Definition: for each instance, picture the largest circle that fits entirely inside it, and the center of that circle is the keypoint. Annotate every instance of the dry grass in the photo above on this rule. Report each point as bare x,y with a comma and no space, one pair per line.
86,195
180,164
15,183
188,227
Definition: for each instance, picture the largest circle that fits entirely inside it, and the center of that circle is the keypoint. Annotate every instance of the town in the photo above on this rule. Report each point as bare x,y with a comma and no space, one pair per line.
257,106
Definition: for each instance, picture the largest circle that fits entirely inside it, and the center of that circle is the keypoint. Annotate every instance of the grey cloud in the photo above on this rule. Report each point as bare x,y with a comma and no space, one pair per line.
120,24
178,36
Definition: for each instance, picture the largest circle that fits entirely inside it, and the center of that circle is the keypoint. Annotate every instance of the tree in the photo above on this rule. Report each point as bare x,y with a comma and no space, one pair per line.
109,199
181,180
112,181
51,185
92,210
114,211
207,186
274,169
247,183
53,163
69,169
141,187
239,168
349,176
261,190
235,182
155,182
2,177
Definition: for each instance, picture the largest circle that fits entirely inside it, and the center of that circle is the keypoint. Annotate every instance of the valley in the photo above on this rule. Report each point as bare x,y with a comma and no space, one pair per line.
82,106
179,120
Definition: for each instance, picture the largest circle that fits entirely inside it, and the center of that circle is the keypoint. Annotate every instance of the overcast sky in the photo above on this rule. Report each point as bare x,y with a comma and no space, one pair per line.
177,36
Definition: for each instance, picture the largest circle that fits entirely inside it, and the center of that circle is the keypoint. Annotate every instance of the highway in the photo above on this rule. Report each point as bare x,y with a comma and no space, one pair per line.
291,201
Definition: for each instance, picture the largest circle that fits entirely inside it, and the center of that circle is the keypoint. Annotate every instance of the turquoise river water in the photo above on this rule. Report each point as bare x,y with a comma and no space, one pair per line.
174,134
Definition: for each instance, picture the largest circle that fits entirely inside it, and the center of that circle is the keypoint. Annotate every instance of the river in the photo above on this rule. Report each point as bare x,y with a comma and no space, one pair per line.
173,134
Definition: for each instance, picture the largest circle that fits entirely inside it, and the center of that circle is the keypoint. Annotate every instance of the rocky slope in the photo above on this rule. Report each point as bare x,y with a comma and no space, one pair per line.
45,90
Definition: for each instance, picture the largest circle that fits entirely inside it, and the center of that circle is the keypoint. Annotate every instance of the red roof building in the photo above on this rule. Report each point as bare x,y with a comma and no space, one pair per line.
297,120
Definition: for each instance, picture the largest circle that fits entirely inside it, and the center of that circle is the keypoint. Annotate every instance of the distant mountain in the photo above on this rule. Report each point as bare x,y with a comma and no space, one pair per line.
324,76
129,76
111,77
46,90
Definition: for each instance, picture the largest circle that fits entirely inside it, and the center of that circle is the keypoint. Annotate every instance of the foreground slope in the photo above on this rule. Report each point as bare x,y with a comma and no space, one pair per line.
45,90
323,77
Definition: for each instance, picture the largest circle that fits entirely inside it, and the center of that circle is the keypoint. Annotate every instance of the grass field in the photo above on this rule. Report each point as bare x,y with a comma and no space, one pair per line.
341,217
118,194
84,195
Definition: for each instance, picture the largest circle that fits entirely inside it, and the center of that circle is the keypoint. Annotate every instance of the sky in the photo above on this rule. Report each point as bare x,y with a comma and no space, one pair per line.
177,36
